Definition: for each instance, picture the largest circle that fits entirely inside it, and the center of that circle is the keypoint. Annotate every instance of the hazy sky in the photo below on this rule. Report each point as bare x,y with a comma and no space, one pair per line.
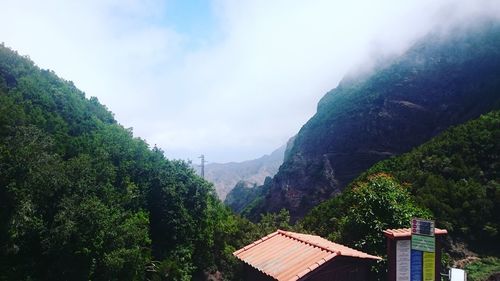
231,79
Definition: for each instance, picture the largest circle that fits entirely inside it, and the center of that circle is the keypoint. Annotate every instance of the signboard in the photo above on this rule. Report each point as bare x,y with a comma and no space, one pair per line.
423,243
403,251
457,274
422,227
429,266
416,265
413,257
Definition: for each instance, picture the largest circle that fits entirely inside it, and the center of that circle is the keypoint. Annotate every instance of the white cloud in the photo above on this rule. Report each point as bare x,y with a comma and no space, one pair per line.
236,95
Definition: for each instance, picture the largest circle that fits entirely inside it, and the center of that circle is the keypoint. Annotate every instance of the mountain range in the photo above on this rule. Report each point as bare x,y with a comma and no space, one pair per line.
444,79
225,176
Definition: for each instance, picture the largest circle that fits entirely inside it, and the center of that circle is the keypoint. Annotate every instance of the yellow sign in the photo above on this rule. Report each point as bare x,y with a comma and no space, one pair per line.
429,266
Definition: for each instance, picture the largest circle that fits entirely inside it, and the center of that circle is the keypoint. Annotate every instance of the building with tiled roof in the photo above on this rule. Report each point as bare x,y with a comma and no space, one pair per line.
285,255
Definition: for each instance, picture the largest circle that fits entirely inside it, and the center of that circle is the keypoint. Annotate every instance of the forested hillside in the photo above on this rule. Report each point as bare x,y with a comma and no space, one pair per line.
454,178
242,194
82,199
443,80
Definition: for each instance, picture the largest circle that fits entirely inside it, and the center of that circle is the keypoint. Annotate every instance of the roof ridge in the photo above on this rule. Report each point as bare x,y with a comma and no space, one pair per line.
337,252
289,234
256,242
406,232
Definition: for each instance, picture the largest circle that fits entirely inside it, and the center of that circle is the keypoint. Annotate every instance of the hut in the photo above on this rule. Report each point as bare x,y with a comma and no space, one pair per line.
285,255
405,263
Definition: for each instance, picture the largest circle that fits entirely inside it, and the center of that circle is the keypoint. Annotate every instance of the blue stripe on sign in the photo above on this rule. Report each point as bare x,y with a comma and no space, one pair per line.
416,265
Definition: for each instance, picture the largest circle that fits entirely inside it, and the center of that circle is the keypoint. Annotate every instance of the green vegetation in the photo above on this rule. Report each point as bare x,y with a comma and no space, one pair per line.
454,176
482,269
239,196
358,216
82,199
248,201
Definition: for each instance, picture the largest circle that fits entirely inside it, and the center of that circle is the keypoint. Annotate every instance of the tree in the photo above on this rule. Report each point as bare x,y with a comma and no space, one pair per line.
373,206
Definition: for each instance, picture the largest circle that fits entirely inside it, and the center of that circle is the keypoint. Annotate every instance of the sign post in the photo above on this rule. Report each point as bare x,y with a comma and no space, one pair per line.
423,257
423,247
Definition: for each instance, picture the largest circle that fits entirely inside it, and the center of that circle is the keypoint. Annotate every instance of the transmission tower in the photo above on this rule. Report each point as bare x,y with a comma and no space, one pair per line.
202,165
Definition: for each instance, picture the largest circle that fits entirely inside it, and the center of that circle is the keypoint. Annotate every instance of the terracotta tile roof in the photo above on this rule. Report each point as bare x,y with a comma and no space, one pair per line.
286,255
406,232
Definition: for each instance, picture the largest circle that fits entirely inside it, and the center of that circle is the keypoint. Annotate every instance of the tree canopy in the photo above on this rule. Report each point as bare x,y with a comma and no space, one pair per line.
82,199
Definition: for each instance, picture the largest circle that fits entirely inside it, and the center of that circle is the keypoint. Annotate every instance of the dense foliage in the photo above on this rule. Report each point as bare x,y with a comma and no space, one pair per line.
455,176
359,215
485,269
82,199
238,198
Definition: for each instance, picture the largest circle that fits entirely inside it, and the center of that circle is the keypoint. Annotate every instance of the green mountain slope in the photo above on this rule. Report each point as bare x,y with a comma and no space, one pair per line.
82,199
456,176
242,194
443,80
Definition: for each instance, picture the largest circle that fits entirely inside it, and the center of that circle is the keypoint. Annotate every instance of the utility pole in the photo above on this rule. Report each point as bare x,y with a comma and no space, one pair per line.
202,165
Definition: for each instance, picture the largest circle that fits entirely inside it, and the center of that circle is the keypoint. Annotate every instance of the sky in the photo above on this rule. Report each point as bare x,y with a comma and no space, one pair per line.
232,80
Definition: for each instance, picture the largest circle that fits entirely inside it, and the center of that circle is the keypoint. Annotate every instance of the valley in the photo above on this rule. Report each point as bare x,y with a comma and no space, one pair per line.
83,198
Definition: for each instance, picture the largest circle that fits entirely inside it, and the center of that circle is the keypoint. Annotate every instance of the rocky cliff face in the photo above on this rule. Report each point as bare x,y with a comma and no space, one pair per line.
441,81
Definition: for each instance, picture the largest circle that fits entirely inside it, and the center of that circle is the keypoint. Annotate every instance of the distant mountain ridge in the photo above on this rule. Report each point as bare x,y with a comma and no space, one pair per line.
443,80
226,176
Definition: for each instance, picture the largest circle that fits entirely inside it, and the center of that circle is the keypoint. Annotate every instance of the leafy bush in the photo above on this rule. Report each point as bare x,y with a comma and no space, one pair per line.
483,268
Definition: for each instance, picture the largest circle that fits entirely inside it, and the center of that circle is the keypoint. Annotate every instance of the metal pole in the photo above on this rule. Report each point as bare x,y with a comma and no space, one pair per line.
202,165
